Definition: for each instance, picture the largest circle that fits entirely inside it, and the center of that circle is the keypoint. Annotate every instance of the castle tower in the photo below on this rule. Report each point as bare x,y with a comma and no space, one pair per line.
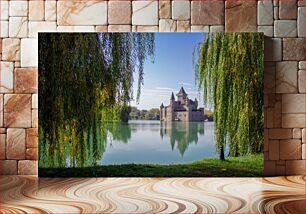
162,112
181,96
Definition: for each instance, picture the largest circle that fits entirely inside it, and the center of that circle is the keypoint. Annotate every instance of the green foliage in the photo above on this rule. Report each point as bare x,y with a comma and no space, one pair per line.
85,80
152,114
230,67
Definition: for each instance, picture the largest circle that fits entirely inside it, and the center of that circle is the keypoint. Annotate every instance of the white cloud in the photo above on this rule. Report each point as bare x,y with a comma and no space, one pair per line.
164,88
184,83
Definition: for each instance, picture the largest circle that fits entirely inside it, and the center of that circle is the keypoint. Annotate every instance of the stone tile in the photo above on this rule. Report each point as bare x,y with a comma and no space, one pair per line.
269,117
199,28
269,77
34,101
301,81
145,13
101,28
29,53
273,49
241,15
286,77
119,28
2,130
15,144
304,135
36,10
167,25
293,49
280,170
216,28
38,26
274,150
6,77
28,167
4,9
302,65
146,28
280,134
301,22
119,12
26,80
285,28
2,146
183,26
297,133
293,120
266,140
17,64
207,12
1,110
287,9
32,138
8,167
74,29
275,3
18,8
50,10
293,103
304,151
90,12
290,149
4,29
18,27
265,12
267,30
11,49
275,13
269,168
164,9
295,167
277,118
35,118
32,154
180,10
17,110
301,3
134,29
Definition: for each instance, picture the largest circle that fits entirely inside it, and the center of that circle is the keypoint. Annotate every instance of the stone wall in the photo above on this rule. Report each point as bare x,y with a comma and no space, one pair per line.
282,21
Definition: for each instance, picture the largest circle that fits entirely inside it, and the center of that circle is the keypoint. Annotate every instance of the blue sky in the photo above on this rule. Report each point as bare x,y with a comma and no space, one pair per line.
171,69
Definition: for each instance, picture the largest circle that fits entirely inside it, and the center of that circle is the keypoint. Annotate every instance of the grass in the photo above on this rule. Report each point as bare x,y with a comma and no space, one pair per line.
245,166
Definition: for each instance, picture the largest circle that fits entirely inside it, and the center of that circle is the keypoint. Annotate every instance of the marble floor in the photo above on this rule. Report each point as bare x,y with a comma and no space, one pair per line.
152,195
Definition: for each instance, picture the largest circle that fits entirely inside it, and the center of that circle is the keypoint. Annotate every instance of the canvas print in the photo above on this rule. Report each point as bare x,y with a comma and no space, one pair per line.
150,104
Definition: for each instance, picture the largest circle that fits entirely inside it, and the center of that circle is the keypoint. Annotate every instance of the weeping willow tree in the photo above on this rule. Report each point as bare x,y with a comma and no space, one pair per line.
84,81
230,69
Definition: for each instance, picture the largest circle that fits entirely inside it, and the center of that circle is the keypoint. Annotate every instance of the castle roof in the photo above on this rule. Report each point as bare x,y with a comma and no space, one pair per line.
181,92
172,96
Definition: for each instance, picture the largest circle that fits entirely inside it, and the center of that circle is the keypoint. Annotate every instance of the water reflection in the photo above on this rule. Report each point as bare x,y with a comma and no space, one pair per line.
182,134
134,142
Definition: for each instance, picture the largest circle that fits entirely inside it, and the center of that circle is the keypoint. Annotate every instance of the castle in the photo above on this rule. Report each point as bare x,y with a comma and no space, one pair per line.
184,109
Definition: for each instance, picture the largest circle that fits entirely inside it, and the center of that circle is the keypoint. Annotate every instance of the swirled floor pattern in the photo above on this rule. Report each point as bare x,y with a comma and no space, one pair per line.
27,194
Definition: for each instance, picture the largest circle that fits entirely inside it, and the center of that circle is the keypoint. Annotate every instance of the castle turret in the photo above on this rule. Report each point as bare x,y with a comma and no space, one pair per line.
181,96
172,97
161,112
195,103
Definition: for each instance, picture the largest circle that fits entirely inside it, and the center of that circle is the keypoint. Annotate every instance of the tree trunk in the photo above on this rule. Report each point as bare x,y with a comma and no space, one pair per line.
222,153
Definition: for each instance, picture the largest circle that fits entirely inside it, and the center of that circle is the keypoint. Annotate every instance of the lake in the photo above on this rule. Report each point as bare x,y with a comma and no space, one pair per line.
161,143
139,142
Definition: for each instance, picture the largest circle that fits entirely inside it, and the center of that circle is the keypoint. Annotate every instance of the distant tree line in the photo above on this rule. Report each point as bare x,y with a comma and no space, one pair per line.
137,114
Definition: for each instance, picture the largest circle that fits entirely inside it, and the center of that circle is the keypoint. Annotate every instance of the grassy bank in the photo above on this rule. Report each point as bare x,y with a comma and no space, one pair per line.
251,165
